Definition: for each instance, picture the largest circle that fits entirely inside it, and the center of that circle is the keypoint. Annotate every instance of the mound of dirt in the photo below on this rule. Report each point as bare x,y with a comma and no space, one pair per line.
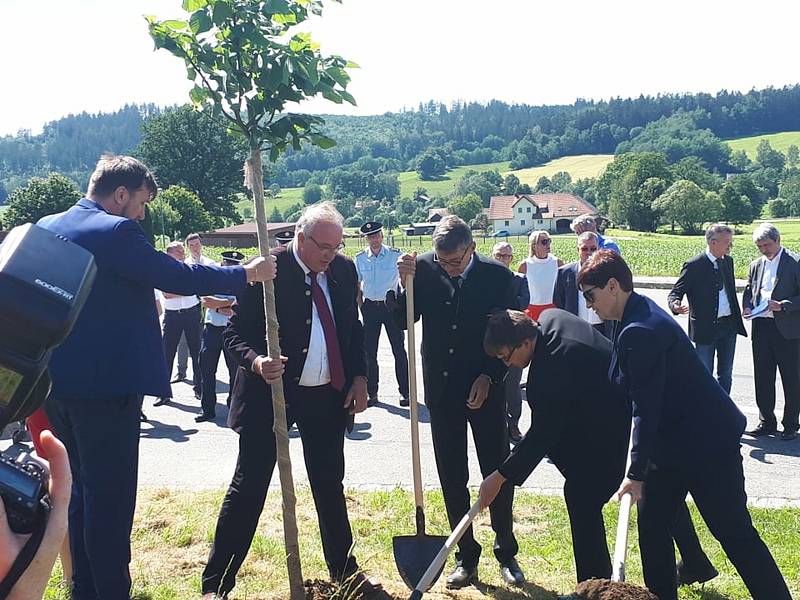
603,589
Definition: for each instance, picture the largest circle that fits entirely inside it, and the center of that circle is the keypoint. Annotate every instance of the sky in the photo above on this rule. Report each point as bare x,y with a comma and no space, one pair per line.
69,56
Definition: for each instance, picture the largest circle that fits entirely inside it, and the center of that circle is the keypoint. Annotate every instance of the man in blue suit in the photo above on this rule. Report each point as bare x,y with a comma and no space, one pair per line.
686,433
113,356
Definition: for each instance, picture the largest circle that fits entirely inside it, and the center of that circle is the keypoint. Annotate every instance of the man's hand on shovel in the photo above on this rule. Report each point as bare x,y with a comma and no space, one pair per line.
632,487
490,487
406,267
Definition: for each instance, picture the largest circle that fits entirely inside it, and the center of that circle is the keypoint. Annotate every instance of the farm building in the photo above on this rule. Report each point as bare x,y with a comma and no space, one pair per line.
521,213
241,236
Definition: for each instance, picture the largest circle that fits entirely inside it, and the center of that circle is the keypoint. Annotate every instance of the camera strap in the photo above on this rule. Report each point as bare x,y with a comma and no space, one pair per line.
29,550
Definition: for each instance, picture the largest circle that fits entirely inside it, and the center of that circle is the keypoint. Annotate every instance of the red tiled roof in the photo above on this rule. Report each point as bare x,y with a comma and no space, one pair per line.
552,206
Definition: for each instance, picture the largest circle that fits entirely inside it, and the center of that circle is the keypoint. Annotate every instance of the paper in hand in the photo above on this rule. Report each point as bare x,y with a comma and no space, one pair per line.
758,310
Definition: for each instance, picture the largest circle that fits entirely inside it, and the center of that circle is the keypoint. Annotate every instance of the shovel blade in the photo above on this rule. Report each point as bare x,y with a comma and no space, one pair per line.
413,554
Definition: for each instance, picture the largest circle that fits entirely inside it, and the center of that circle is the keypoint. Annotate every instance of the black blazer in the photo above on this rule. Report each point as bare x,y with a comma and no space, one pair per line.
522,294
787,291
579,419
565,292
681,416
698,283
453,324
245,335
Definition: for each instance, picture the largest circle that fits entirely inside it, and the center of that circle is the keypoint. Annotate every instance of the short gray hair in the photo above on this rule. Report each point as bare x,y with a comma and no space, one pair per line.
716,229
173,246
588,235
451,234
582,221
502,246
764,231
317,213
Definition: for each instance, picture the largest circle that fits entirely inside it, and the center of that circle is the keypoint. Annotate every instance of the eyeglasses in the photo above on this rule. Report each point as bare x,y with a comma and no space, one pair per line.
506,358
545,241
325,248
499,255
451,263
588,295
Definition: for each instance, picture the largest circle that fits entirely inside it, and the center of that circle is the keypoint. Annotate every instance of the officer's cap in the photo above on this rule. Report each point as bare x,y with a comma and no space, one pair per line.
371,227
284,237
233,256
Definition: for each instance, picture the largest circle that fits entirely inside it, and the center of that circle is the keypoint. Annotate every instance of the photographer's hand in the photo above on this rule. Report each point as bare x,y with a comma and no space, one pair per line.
32,584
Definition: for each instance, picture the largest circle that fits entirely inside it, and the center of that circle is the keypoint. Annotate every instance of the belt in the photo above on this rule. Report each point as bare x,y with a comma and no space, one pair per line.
183,310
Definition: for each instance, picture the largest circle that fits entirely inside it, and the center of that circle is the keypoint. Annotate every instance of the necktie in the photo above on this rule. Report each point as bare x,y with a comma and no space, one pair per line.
719,275
329,329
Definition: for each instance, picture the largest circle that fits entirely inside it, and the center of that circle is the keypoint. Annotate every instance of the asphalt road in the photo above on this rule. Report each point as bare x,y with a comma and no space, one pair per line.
176,452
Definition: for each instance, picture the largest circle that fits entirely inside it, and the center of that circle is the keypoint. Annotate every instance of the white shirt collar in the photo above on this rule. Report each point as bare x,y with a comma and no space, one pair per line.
296,255
775,259
711,257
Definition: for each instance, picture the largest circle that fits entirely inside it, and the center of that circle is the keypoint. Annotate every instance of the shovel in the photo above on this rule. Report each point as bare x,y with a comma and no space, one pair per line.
621,544
413,553
435,568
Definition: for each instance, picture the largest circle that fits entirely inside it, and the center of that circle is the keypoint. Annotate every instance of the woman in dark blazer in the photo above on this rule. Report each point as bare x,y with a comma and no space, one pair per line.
686,433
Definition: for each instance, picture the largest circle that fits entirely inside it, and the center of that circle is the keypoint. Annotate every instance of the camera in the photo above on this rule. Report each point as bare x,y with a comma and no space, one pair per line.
23,489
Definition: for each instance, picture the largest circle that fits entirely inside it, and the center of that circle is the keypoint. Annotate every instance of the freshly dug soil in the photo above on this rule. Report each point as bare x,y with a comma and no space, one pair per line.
318,589
603,589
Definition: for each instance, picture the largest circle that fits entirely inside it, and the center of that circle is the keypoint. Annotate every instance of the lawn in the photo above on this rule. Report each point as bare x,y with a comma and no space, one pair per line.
284,200
173,531
410,181
778,141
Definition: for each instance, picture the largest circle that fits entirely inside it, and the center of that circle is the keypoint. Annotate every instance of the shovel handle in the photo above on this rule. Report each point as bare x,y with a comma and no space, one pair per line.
436,565
412,394
621,544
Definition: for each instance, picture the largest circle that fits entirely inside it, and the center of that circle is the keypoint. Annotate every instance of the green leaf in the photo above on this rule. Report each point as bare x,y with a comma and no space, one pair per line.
347,97
340,76
174,25
322,141
200,22
222,11
276,7
198,95
193,5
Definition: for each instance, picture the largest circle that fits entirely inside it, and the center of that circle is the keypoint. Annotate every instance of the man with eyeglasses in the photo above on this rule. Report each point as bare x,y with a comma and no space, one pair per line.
455,289
714,316
377,274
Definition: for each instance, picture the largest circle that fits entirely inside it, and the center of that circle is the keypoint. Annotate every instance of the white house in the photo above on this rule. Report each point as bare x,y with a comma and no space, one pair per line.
520,214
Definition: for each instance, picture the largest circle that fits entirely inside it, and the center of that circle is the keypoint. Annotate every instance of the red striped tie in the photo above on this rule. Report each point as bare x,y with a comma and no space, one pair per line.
329,329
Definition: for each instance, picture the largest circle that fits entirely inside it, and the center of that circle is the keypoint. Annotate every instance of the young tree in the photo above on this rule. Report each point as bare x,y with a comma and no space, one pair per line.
163,217
466,208
688,205
192,216
312,193
247,62
275,216
40,197
792,158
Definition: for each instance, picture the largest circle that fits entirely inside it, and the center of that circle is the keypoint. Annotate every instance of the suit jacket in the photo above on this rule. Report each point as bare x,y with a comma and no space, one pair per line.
245,336
697,282
571,400
453,324
565,292
681,416
522,293
115,347
787,291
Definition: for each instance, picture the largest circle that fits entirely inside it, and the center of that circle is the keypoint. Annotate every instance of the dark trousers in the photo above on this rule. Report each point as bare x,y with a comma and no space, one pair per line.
186,322
771,350
449,418
210,348
513,395
376,315
102,439
724,346
320,420
718,490
683,532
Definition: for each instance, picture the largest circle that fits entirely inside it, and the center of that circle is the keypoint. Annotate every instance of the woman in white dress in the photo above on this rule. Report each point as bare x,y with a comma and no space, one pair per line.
541,269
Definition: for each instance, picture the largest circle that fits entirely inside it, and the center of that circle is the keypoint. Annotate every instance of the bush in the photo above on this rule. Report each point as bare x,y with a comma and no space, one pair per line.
39,198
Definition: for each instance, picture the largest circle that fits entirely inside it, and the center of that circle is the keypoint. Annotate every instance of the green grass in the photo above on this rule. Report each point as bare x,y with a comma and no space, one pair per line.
173,530
410,181
284,200
778,141
584,165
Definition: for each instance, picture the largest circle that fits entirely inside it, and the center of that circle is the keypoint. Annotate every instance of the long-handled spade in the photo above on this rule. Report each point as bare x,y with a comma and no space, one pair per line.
413,553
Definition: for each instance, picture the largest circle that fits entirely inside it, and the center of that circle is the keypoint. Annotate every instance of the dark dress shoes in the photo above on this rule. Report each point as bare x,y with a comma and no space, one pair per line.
788,435
515,435
372,401
162,401
142,416
204,418
762,430
178,378
404,401
461,577
511,572
689,575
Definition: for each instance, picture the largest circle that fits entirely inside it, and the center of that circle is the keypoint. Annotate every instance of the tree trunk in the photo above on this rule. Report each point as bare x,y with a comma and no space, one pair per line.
254,180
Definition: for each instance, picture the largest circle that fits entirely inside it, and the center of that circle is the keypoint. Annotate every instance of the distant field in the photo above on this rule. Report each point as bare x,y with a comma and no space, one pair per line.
284,200
410,181
584,165
778,141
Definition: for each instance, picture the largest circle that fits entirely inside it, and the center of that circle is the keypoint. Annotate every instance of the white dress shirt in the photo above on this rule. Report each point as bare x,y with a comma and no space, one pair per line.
586,313
203,260
768,276
724,306
315,370
178,302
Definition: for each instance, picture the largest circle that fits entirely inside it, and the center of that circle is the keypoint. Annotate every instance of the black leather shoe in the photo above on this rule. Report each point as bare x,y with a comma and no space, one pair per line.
142,417
762,430
204,418
178,378
788,435
461,577
372,401
511,572
688,576
404,401
515,435
162,401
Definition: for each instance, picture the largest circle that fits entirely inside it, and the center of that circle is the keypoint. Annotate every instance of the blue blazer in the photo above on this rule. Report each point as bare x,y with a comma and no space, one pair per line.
115,347
681,416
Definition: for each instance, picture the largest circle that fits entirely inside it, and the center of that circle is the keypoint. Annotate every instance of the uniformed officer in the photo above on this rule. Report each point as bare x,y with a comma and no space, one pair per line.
218,312
284,237
377,274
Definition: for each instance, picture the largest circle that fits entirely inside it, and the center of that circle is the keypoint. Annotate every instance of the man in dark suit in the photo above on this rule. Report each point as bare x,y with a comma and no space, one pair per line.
686,433
455,290
572,401
112,356
714,316
566,294
324,382
772,300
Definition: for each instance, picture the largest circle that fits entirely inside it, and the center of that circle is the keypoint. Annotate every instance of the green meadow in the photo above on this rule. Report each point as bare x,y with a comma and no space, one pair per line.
778,141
